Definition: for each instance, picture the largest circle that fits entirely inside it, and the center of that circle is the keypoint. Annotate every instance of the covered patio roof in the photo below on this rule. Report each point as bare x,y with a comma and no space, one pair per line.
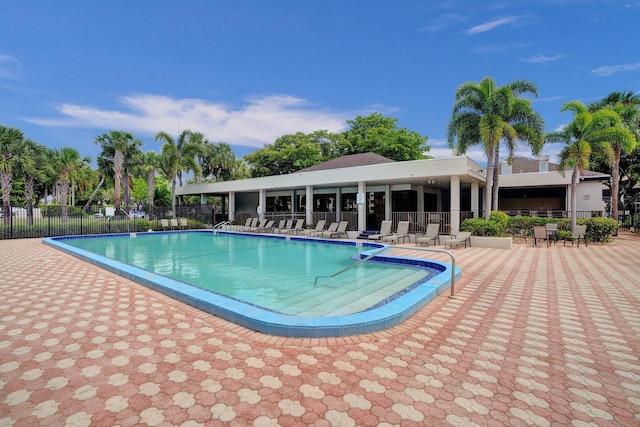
432,172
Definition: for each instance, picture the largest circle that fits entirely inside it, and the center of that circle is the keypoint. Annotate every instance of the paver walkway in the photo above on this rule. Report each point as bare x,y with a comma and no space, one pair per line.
536,336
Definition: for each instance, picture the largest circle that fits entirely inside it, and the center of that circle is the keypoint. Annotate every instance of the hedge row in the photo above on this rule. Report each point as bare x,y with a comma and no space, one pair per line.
500,224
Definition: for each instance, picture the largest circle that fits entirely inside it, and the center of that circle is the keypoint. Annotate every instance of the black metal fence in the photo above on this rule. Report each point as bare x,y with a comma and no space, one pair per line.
51,221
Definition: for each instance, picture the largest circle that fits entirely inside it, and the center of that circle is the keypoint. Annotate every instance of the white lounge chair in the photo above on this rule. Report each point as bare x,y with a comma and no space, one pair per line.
297,228
319,228
340,231
174,223
257,227
462,238
164,223
430,235
184,223
333,227
385,230
402,232
284,228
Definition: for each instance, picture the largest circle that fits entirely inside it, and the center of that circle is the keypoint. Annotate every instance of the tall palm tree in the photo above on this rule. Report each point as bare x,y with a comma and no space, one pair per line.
13,155
218,158
34,170
115,145
486,114
69,164
586,133
133,158
147,169
176,157
626,105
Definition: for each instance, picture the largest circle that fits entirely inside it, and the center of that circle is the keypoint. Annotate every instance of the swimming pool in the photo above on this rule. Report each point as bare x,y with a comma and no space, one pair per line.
273,284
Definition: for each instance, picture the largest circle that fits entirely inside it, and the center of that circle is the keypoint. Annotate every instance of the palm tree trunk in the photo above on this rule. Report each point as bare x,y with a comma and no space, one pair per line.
118,161
29,186
615,182
575,176
93,195
496,180
150,193
6,193
488,189
173,196
126,192
64,190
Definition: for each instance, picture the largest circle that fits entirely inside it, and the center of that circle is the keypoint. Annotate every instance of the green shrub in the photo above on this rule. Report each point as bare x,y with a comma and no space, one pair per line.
501,219
495,226
599,229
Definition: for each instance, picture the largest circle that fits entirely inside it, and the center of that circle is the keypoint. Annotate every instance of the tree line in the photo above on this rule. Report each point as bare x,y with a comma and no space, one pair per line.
601,136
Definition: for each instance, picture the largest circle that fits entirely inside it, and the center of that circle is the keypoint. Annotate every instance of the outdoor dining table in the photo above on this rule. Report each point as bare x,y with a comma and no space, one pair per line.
551,235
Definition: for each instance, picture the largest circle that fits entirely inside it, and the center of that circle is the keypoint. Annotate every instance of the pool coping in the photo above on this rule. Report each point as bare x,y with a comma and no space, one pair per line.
262,320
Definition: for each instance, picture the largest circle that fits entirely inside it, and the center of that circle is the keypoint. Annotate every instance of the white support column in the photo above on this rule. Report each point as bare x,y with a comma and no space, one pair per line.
309,204
387,202
262,201
475,197
232,205
362,208
455,204
338,203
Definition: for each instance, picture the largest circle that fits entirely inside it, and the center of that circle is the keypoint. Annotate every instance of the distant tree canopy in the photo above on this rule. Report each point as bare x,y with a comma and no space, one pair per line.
373,133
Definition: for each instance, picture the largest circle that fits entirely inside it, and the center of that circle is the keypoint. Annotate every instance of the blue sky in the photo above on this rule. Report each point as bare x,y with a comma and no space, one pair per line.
247,72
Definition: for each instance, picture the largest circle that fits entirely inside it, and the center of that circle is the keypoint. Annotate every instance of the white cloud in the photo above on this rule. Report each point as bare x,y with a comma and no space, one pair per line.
541,59
442,22
613,69
259,121
498,48
8,64
488,26
550,99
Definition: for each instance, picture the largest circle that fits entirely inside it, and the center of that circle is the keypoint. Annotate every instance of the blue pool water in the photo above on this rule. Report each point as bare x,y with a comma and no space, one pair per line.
270,283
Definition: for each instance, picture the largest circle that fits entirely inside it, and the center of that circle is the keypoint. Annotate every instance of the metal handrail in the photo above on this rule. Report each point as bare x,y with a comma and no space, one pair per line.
453,263
442,251
220,224
349,267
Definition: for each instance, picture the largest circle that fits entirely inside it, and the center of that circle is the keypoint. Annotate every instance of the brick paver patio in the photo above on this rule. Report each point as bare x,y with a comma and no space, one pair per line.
536,336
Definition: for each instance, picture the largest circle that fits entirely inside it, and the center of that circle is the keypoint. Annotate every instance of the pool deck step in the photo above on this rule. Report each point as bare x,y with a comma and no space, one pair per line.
341,300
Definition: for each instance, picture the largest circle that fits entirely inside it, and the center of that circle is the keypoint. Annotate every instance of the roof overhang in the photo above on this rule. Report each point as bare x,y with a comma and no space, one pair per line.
434,172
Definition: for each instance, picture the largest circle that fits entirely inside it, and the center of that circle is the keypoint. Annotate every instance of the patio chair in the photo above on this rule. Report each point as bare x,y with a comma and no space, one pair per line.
341,230
385,230
402,232
319,228
333,227
430,235
247,224
579,232
552,232
184,224
174,223
539,233
164,223
264,227
258,227
297,228
463,237
284,228
518,233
